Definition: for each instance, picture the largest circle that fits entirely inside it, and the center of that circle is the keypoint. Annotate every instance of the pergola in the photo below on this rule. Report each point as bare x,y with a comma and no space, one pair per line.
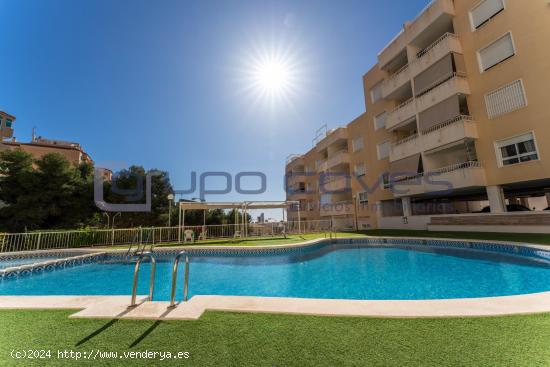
244,206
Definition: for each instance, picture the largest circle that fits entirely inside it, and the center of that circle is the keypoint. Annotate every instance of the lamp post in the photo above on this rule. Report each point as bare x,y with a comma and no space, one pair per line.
170,197
113,221
108,218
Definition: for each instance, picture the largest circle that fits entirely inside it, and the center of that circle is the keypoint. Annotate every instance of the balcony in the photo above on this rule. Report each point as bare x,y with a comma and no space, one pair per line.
434,12
298,195
455,83
337,184
332,137
436,51
435,138
336,159
402,113
456,176
457,129
406,148
396,81
338,208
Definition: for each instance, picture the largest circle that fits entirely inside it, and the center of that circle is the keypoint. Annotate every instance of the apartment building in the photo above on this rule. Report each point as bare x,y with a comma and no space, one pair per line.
6,126
455,124
39,146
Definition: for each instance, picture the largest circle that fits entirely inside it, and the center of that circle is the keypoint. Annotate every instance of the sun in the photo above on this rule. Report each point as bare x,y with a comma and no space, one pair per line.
272,76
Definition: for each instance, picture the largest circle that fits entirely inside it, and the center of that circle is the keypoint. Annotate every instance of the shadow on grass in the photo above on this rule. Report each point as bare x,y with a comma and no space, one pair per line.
97,332
146,333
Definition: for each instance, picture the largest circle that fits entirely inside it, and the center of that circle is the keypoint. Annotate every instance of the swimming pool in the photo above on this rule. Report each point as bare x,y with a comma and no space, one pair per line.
347,269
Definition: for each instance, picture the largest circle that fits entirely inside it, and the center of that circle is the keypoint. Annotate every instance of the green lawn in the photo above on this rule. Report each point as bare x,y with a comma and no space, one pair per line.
233,339
277,240
515,237
538,238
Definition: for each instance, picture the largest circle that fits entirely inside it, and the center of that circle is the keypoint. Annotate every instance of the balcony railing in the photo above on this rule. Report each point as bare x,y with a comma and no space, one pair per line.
427,17
405,140
441,81
401,106
457,166
433,45
444,88
460,118
447,169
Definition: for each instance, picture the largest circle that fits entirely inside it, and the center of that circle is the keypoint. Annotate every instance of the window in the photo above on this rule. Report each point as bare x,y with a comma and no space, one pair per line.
383,150
497,52
357,144
360,169
363,197
8,123
485,11
517,150
376,93
506,99
380,121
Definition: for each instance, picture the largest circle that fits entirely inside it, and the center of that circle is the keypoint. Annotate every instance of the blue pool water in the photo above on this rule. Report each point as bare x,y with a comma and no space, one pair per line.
333,271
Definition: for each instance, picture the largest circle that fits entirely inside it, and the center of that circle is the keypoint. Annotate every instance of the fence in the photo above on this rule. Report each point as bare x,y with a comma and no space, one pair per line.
12,242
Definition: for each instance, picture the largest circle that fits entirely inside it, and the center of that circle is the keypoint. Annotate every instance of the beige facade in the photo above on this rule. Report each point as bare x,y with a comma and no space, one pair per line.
39,147
455,123
6,125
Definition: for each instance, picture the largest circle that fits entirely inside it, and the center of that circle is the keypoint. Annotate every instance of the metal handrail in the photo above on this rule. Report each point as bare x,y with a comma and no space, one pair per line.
175,276
136,273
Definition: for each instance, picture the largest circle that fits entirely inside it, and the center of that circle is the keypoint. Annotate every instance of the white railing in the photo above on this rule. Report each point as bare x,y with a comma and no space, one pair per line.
405,140
397,74
433,45
401,106
457,166
12,242
447,169
460,118
440,82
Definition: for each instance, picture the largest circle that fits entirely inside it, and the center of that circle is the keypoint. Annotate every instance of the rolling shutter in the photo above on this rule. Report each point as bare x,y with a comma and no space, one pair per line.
497,52
485,11
441,112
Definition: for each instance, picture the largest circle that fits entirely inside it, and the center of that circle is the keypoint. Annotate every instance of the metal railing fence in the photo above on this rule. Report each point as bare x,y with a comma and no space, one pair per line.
13,242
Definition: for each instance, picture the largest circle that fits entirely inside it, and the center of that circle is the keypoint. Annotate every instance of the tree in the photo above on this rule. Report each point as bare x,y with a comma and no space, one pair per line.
16,181
52,194
127,180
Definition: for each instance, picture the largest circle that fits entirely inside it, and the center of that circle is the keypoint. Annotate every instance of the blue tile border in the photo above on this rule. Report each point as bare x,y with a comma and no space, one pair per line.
44,266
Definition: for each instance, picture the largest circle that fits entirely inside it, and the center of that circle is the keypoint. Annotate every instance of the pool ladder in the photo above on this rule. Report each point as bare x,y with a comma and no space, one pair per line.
141,257
175,276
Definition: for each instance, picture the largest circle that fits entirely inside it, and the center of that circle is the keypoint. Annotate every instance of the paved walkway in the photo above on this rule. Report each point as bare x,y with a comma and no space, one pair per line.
117,306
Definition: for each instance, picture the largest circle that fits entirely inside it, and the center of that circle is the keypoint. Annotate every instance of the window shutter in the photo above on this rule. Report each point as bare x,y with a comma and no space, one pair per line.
380,121
497,52
505,99
485,11
376,93
357,144
383,150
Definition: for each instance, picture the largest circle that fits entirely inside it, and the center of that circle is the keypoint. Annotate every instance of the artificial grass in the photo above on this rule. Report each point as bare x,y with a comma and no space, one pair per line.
538,238
234,339
264,241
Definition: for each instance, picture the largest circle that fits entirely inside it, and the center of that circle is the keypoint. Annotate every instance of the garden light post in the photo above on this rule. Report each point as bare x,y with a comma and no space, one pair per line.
170,197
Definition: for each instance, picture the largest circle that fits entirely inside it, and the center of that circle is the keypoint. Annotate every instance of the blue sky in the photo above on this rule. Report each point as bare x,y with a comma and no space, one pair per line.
162,83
